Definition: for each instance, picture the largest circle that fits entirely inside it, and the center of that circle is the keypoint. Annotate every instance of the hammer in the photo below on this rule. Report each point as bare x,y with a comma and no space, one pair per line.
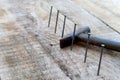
82,35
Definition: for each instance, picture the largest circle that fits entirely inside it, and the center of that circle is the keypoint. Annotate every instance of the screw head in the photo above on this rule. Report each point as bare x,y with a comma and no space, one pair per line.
102,45
89,33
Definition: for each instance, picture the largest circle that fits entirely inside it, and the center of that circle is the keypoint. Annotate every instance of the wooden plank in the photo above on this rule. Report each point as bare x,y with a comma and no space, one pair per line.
38,54
108,11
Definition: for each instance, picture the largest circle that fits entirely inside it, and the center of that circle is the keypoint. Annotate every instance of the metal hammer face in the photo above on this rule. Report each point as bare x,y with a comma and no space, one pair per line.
67,40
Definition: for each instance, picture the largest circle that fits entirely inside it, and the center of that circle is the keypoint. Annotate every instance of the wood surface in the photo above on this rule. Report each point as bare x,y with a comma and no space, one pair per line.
29,50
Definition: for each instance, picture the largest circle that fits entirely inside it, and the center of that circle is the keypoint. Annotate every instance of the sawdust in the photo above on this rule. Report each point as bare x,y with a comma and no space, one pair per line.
10,26
2,12
11,61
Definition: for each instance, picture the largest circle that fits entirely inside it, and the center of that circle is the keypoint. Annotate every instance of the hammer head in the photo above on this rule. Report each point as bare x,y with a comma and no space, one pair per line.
67,40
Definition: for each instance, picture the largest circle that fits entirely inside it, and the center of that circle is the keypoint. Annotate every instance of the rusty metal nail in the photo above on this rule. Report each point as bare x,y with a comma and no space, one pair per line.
56,21
87,46
63,26
73,36
50,16
102,47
